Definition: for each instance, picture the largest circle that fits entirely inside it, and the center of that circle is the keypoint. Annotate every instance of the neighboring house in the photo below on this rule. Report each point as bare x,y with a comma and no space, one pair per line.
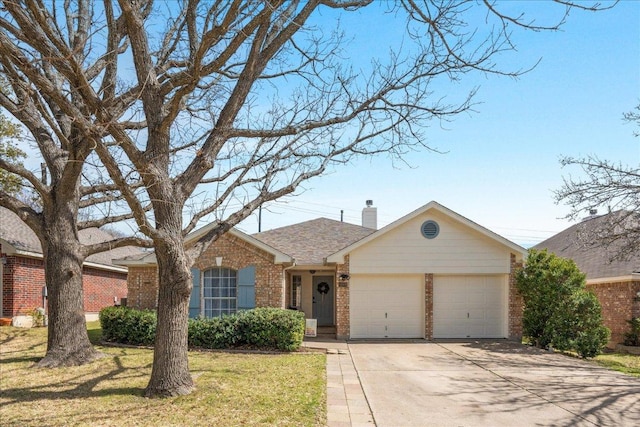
22,277
431,274
616,282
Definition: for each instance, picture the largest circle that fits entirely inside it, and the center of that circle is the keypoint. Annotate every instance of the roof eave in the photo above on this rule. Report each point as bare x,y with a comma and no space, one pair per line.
614,279
29,254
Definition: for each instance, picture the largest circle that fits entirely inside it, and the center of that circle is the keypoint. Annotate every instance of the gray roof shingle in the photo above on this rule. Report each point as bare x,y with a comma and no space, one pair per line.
578,243
17,233
311,241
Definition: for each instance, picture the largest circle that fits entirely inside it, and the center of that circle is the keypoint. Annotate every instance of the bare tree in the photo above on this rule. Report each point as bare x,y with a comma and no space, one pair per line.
232,104
37,95
610,186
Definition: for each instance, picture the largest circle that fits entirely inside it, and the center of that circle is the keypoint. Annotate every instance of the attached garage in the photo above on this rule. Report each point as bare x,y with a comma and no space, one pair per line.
431,274
470,306
387,306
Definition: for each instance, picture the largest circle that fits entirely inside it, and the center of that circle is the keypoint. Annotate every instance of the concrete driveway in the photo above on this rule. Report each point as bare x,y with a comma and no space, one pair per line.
489,383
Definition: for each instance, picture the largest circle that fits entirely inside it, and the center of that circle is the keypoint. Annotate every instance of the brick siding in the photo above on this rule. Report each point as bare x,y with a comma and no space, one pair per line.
343,325
619,303
236,254
23,279
516,303
428,306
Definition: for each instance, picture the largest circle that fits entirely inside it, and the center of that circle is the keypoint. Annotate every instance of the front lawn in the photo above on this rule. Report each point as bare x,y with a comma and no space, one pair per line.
627,363
232,389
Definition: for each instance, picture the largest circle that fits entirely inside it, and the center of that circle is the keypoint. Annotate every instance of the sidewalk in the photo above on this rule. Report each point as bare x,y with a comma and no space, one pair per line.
347,405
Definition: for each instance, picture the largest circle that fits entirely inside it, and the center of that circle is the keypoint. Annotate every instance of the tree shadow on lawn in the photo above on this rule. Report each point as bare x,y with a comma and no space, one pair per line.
84,387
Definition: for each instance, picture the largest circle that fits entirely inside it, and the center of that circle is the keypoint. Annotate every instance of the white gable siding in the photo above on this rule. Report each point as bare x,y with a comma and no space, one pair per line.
458,249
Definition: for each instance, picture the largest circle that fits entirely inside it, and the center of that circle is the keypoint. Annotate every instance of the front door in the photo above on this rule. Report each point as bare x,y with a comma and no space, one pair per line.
323,297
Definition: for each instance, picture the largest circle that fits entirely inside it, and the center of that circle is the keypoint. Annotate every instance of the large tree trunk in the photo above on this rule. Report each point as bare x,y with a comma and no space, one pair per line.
170,375
68,342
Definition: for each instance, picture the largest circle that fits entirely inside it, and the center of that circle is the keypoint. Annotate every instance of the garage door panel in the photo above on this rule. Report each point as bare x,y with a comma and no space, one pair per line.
469,307
386,306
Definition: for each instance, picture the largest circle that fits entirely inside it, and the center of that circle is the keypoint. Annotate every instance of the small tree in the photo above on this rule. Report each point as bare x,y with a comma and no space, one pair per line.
558,310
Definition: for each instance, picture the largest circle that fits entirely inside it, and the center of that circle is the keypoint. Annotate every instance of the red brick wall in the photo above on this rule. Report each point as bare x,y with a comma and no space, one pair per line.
516,304
101,286
619,303
22,282
23,279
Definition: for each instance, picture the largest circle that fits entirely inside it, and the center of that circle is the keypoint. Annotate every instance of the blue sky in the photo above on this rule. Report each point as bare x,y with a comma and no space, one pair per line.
502,162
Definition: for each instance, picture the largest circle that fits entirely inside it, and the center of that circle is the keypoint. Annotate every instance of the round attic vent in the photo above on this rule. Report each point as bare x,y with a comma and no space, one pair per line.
430,229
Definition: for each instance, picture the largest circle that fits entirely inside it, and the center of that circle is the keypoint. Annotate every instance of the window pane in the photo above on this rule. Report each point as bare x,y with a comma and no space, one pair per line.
219,289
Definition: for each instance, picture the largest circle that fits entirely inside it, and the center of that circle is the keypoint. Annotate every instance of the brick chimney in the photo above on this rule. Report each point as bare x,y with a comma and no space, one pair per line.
370,216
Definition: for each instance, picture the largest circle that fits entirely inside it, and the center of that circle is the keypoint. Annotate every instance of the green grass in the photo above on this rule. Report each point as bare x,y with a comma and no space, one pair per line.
627,363
232,389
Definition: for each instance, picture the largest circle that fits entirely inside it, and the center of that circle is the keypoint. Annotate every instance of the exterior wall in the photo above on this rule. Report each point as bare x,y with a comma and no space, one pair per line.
428,306
343,327
142,287
101,287
22,282
458,249
514,312
516,303
236,254
619,303
23,279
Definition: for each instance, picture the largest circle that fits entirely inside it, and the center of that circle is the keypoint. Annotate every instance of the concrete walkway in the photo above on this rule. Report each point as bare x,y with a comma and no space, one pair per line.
347,405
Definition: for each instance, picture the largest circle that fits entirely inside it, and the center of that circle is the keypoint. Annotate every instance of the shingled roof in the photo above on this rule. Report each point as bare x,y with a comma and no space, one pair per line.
310,242
597,262
17,234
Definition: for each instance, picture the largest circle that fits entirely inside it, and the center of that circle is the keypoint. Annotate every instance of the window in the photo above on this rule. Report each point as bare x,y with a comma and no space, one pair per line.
296,287
219,291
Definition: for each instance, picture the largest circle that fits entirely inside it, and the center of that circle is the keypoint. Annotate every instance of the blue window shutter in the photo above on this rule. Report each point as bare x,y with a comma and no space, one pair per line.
194,302
247,288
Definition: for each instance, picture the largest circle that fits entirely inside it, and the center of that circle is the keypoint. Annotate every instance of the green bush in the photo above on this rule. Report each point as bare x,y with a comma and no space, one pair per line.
128,326
558,310
272,328
632,337
259,328
217,332
577,325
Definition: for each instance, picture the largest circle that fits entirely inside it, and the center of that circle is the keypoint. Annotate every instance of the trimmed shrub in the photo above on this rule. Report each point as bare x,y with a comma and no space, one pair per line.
271,328
128,326
216,332
632,338
260,328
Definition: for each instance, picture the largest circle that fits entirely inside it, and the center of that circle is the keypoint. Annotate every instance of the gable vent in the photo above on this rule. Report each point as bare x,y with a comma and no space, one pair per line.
430,229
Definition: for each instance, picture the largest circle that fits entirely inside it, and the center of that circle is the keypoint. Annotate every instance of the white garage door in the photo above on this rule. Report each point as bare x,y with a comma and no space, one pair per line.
469,307
386,306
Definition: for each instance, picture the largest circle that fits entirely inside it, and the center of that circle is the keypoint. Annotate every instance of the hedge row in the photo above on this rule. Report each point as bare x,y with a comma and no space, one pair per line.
260,328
